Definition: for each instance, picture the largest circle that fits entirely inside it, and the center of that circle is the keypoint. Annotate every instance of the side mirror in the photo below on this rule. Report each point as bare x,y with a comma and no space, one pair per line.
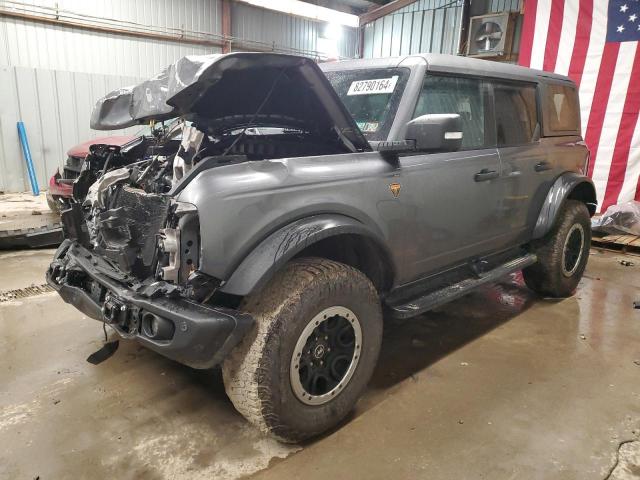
438,132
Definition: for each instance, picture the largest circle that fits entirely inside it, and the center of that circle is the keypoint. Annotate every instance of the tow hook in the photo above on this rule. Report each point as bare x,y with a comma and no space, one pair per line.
114,312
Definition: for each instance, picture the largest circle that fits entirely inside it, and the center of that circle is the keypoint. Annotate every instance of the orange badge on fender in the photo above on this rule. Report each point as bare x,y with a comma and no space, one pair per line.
395,189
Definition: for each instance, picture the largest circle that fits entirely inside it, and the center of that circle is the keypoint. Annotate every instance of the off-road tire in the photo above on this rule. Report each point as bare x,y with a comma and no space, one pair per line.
257,372
546,277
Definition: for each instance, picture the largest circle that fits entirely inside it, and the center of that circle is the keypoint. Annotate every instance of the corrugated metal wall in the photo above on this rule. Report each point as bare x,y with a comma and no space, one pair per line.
39,45
55,107
263,29
51,75
426,26
505,6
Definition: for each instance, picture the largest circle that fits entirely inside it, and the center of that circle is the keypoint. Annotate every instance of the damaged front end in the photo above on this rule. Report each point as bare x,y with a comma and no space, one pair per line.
155,313
131,256
132,252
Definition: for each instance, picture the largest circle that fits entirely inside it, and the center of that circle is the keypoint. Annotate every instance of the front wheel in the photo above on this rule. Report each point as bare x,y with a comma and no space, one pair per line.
312,351
562,253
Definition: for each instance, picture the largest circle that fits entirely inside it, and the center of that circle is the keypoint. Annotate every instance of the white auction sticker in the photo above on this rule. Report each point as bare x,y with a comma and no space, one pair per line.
373,86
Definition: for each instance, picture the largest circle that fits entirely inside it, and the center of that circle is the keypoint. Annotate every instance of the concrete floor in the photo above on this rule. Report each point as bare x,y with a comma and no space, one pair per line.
24,210
498,385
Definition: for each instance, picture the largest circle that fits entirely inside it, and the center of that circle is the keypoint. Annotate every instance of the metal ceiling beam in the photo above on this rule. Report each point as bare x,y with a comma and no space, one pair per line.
110,29
384,10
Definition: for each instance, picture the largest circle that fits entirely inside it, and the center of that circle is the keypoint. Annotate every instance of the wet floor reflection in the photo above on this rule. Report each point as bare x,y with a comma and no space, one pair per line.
597,317
411,345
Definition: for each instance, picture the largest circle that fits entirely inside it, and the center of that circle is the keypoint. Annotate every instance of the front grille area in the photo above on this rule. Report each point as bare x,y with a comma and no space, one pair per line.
127,230
72,168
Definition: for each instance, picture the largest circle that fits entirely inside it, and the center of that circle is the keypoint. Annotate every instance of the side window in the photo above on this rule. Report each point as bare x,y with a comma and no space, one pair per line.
561,110
464,96
516,114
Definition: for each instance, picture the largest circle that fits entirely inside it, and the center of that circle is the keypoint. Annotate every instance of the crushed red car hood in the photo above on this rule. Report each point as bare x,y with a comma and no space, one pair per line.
82,149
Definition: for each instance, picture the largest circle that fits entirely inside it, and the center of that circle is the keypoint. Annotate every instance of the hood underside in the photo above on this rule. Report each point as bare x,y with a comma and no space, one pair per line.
231,90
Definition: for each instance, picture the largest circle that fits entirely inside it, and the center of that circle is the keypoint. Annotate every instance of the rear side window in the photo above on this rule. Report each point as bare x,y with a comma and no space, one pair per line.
561,110
516,114
464,96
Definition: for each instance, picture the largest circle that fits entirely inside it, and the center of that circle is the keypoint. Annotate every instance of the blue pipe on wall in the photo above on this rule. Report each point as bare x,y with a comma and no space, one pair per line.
27,156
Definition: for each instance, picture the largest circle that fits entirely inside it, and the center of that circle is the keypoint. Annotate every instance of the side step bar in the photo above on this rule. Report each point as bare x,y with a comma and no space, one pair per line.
439,297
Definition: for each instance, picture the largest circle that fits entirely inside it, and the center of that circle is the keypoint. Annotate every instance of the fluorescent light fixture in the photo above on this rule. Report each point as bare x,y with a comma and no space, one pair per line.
307,10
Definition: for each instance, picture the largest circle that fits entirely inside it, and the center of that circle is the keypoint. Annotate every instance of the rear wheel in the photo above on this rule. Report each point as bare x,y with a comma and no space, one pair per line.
562,253
312,351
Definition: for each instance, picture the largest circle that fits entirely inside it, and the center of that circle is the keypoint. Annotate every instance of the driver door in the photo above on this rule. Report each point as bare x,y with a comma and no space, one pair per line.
453,198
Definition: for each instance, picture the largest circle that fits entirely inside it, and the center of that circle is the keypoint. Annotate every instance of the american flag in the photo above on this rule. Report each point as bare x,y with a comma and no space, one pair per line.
595,42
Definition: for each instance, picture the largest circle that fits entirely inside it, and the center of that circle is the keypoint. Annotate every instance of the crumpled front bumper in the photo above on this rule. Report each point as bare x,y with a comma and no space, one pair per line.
57,188
201,336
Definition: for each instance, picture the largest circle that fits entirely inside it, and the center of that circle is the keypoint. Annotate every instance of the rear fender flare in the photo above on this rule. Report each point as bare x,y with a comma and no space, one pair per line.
282,245
568,185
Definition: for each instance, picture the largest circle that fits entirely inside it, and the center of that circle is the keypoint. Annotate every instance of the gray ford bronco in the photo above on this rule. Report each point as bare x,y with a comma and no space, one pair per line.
269,227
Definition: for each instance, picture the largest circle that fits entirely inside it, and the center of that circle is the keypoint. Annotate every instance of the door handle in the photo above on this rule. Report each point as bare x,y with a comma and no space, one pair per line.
542,166
485,174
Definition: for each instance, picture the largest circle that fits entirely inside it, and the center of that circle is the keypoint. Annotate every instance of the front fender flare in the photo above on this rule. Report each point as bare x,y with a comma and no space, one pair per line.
563,188
282,245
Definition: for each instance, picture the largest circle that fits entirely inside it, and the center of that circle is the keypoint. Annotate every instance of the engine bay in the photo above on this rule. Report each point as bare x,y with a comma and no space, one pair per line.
123,206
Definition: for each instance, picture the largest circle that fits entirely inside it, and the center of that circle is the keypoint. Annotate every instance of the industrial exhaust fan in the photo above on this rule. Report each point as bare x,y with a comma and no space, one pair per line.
491,35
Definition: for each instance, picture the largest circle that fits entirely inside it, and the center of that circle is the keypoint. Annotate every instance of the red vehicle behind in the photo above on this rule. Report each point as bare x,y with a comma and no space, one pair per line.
61,184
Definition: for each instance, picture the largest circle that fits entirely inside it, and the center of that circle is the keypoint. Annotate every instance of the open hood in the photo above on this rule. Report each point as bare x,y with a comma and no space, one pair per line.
229,90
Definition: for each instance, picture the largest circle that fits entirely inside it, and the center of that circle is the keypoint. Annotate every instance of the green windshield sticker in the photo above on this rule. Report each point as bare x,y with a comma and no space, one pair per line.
368,127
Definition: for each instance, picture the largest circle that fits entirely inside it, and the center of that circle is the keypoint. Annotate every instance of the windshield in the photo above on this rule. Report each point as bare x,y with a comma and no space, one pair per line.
371,96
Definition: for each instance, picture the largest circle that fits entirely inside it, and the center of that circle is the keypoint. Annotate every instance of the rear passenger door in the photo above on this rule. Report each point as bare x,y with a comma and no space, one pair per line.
452,199
525,168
